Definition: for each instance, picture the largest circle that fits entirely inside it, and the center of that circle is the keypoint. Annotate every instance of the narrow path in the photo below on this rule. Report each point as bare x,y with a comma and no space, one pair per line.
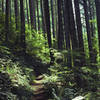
39,91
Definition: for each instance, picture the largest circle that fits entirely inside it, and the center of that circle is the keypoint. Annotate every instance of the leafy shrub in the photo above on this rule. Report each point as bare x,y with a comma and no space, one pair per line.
66,76
17,74
4,49
37,45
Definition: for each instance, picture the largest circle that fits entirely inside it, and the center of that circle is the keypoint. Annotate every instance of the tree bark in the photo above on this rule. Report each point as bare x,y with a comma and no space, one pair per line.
7,19
32,14
52,14
22,14
72,26
38,16
97,3
16,14
2,6
88,28
27,12
60,26
79,25
42,15
47,21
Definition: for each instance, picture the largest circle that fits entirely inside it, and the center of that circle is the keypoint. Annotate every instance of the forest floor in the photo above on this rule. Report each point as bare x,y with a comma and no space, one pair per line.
26,74
22,77
39,93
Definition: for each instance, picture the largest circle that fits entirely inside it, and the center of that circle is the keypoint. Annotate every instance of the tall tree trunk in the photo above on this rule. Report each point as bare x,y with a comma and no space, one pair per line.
74,42
47,21
60,28
97,3
91,18
22,14
38,16
88,28
81,58
32,14
56,18
42,14
16,13
27,12
79,25
72,26
67,32
7,19
2,6
10,10
52,14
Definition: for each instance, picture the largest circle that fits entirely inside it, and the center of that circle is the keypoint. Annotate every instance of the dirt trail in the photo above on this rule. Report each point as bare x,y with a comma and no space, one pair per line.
39,93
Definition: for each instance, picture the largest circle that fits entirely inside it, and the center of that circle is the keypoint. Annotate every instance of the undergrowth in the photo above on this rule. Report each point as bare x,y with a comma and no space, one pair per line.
19,74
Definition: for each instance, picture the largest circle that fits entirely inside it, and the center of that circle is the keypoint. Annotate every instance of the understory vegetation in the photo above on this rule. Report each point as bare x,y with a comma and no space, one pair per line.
33,58
17,73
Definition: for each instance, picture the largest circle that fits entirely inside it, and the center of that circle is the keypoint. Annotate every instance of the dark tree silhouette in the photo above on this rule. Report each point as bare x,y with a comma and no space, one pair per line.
60,25
97,3
42,15
38,16
7,19
22,38
47,21
79,25
27,8
32,14
88,27
16,13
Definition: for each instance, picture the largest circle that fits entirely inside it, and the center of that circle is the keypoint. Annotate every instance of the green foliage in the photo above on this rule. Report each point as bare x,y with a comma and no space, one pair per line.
37,45
13,35
93,21
4,49
58,90
18,75
7,96
86,45
65,76
50,79
61,82
5,87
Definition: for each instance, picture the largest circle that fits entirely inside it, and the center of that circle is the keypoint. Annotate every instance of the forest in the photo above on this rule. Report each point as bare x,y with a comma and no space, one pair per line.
49,49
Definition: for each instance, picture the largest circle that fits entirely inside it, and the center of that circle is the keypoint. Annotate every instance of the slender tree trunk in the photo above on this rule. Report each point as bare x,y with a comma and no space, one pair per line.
79,25
56,19
2,6
47,21
97,3
52,14
38,19
67,32
91,18
27,12
72,26
32,14
88,28
74,43
42,14
16,13
60,28
22,14
66,25
80,35
10,10
7,19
